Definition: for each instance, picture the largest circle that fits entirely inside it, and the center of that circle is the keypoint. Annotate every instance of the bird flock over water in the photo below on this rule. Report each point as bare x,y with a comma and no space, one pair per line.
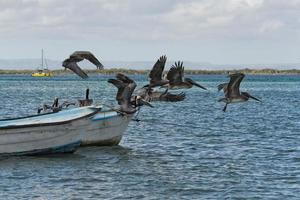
130,99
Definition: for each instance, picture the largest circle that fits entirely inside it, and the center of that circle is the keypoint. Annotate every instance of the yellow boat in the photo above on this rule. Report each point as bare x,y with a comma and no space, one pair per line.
42,73
43,70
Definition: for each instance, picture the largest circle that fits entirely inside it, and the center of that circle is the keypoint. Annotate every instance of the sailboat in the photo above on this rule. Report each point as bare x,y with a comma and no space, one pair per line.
43,70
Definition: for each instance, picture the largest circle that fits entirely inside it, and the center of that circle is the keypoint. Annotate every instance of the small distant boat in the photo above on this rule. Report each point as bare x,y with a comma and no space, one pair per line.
61,132
42,71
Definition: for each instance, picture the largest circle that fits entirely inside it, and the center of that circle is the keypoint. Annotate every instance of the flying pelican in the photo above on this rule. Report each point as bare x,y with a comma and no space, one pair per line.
156,73
126,87
86,101
77,56
149,94
177,80
232,91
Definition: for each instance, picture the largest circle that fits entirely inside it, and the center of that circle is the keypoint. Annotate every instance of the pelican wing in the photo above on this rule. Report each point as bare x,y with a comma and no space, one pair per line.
77,56
76,69
233,88
80,55
223,87
175,74
121,87
158,68
125,87
124,78
167,96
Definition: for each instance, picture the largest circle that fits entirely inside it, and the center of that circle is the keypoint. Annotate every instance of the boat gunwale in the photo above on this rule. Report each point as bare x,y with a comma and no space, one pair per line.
47,123
28,116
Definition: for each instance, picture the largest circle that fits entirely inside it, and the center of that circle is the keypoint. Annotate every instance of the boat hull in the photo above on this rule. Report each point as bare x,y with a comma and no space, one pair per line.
62,132
39,140
44,134
105,129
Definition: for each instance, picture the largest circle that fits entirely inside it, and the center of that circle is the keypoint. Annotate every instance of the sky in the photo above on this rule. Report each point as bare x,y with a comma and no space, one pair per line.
214,31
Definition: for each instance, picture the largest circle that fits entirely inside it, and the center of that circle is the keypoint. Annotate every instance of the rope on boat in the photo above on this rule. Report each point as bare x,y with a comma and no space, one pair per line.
136,119
114,109
122,113
169,123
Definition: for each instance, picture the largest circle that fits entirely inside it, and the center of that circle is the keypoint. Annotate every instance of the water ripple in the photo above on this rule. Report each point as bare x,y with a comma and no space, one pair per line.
187,150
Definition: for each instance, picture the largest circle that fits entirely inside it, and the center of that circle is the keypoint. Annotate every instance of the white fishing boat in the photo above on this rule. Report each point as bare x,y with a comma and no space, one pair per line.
105,128
43,134
61,132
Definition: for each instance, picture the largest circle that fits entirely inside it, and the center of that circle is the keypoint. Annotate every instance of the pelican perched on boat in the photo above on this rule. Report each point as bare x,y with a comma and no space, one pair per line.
77,56
177,80
86,101
232,91
126,87
55,107
156,73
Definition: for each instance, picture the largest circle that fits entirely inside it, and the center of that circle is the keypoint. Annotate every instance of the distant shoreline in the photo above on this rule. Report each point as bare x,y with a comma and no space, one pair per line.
197,72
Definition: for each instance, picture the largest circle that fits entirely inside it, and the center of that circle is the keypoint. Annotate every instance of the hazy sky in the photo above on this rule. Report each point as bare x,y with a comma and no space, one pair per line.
215,31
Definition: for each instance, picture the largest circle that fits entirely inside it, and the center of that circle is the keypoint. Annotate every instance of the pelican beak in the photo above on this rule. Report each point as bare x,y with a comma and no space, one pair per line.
146,103
256,99
198,85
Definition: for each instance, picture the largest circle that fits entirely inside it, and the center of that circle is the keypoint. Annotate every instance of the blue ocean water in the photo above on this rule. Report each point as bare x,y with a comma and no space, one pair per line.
185,150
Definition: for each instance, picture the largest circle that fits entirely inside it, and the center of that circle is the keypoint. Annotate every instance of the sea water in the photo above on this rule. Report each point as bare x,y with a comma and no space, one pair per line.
183,150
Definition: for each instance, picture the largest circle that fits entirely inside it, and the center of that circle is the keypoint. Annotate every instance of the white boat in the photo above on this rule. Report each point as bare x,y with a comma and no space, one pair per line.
105,128
61,132
43,134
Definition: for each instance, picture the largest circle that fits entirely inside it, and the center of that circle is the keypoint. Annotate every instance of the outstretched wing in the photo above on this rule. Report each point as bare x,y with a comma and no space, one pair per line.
124,78
157,70
233,88
125,87
175,74
173,97
77,70
166,96
77,56
87,55
222,86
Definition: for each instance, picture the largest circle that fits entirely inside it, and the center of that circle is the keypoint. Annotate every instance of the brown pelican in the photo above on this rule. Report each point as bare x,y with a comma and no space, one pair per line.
177,80
156,73
149,94
232,91
55,107
77,56
126,87
86,101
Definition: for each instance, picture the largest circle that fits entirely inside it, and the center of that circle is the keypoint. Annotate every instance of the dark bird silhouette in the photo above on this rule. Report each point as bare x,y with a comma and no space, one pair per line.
232,91
177,80
156,73
77,56
86,101
126,87
149,94
55,107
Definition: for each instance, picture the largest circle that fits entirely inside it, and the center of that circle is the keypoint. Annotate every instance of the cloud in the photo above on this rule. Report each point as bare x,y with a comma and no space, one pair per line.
146,20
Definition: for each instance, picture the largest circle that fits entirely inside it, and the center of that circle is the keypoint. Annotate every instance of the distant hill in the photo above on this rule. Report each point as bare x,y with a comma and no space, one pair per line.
31,64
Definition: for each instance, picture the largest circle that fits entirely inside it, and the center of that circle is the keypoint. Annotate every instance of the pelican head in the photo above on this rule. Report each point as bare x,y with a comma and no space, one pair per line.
247,95
139,101
64,64
190,81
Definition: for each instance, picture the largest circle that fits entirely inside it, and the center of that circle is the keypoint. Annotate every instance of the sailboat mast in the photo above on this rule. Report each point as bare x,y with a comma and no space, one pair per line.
42,59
